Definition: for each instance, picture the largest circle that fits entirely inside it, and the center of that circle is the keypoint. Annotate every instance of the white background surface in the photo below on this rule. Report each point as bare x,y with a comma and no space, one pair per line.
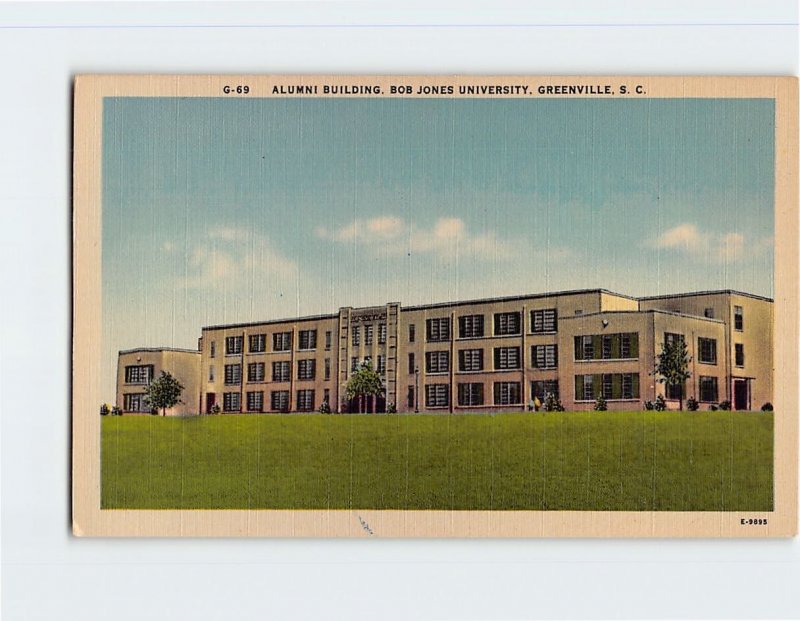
48,574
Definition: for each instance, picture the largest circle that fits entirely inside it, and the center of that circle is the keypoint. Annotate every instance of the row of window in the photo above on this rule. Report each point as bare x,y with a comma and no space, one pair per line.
281,341
369,334
380,364
624,345
609,385
279,401
281,372
471,360
473,326
138,374
472,393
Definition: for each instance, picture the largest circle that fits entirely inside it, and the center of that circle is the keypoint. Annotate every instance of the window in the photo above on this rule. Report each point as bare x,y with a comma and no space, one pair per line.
368,330
506,323
606,346
233,373
588,387
673,392
506,358
411,364
739,351
630,385
282,341
354,364
544,356
411,332
327,368
212,349
470,360
327,339
280,371
671,337
438,329
231,402
709,313
305,400
255,372
543,388
326,396
255,401
584,348
356,336
608,380
139,374
308,339
437,395
257,343
233,345
470,326
738,318
544,320
470,394
306,369
708,389
507,393
134,403
437,362
381,364
279,401
381,333
211,373
410,396
708,350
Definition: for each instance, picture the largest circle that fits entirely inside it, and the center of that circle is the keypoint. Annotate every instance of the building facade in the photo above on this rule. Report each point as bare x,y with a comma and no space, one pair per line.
136,368
495,354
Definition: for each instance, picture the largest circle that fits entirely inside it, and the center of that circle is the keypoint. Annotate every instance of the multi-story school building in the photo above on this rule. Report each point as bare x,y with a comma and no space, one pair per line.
493,354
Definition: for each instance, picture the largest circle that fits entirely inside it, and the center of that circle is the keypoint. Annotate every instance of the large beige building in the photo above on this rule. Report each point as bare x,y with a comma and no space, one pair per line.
495,354
136,368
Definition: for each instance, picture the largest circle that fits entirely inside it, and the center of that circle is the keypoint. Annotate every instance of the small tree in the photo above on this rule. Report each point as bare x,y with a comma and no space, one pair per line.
365,383
692,405
163,392
672,367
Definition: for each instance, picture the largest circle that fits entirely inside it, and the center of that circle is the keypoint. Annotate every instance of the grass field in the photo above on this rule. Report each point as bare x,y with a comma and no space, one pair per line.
636,461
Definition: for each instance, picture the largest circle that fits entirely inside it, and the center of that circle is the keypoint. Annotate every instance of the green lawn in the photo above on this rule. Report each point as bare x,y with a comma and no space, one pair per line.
634,461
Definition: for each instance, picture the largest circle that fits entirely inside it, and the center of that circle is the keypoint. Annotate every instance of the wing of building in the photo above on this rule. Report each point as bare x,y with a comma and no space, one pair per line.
478,355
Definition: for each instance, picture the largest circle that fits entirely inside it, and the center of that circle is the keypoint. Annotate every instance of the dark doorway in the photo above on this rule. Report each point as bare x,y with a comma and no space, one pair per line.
741,395
364,405
211,400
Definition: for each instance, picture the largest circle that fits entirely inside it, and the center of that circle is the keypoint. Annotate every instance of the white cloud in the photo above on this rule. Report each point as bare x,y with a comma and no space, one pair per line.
233,257
447,237
716,247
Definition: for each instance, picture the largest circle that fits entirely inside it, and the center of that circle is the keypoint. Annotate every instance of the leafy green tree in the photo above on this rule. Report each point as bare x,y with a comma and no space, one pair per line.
163,392
672,367
365,383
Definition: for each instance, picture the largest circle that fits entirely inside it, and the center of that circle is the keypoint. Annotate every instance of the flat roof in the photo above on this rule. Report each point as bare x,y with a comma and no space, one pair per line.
648,311
512,298
158,350
248,324
713,292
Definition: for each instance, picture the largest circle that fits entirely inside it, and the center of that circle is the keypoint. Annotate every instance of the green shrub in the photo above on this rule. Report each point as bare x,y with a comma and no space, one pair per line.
215,409
660,405
648,405
551,404
116,411
767,407
325,408
724,405
104,409
600,404
391,408
692,405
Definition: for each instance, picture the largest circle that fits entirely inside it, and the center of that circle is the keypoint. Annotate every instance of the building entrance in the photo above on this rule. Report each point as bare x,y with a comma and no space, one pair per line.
741,394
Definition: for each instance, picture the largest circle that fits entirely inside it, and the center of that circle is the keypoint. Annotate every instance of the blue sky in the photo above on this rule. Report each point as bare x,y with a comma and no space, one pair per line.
219,211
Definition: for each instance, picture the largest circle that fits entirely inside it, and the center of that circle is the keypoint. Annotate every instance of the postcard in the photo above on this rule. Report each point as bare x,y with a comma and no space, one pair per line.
435,306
